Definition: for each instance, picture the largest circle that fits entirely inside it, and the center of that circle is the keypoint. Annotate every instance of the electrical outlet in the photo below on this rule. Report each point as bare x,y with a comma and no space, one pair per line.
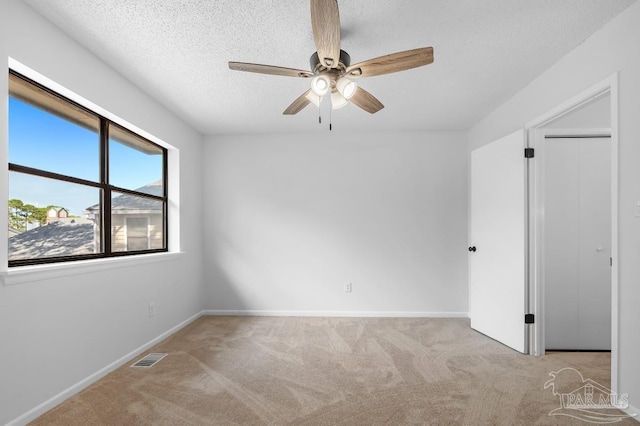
347,288
152,309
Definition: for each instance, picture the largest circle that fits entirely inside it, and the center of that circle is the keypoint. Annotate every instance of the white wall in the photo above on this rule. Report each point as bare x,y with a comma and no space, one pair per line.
292,218
56,332
612,49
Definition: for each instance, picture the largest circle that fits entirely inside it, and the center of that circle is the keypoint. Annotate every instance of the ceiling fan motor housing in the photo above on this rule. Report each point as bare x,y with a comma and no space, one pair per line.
345,61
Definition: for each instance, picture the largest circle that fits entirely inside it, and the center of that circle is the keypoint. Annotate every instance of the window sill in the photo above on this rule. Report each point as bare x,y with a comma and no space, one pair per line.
24,274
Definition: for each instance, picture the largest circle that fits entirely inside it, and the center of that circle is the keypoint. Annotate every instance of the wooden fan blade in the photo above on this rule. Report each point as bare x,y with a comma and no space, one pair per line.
325,21
392,63
269,69
298,105
366,101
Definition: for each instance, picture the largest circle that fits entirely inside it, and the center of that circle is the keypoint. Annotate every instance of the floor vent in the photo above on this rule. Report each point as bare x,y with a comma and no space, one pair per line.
149,360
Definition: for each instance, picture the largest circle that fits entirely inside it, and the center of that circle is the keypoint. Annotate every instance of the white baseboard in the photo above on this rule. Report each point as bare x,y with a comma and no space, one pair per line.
356,314
84,383
633,412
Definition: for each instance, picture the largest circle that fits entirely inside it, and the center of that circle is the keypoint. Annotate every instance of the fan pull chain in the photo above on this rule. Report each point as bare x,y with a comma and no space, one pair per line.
330,119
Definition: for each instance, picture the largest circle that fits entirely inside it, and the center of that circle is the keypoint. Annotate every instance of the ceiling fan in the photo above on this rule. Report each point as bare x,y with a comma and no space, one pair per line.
331,70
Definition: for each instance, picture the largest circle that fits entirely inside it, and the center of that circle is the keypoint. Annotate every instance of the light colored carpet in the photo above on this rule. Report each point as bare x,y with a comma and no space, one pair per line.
330,371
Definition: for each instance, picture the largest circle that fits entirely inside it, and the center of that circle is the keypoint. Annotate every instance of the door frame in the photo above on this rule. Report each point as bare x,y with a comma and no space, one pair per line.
534,132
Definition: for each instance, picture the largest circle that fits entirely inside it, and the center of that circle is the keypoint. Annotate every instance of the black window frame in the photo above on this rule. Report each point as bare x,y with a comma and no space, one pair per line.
105,188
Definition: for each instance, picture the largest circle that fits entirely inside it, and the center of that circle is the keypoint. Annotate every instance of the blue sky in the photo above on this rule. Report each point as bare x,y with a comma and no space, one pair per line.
44,141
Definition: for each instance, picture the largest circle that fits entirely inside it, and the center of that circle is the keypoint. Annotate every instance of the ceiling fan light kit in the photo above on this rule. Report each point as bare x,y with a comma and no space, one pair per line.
321,85
313,98
346,87
337,100
331,69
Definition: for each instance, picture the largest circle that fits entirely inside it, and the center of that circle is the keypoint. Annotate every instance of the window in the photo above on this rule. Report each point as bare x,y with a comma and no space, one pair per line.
137,233
80,185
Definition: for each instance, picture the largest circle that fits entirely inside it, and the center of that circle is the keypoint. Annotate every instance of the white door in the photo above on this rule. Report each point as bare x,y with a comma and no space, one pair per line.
497,266
577,243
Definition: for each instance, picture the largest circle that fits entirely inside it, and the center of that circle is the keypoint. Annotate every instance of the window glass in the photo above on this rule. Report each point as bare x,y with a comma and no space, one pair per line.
137,233
59,139
136,223
134,162
49,218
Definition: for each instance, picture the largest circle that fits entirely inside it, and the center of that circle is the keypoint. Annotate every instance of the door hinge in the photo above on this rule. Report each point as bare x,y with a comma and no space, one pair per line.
529,319
528,153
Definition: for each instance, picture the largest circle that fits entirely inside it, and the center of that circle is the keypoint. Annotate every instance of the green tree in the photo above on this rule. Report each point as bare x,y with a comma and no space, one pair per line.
16,219
34,214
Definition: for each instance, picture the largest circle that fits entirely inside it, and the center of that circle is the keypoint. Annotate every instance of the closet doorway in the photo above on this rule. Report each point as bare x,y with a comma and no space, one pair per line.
577,240
576,307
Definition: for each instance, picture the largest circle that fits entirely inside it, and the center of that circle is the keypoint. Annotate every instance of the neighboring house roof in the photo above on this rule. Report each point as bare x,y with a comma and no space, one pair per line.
126,203
13,232
63,237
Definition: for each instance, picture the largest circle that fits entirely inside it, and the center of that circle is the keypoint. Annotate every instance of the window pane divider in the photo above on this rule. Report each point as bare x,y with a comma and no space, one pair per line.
105,200
52,175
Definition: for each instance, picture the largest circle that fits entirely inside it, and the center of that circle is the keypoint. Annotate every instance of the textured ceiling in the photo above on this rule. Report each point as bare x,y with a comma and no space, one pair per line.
177,51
